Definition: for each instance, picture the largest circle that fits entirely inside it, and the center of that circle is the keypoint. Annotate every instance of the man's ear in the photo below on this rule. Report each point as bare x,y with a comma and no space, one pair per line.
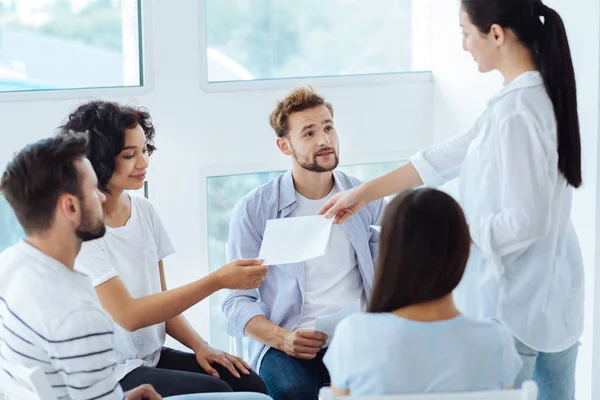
69,206
284,146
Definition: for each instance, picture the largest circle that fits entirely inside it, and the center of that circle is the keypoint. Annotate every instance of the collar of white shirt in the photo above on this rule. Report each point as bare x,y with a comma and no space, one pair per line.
525,80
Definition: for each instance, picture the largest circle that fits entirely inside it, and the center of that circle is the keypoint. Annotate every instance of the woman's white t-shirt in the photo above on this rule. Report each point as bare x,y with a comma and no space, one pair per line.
525,267
132,253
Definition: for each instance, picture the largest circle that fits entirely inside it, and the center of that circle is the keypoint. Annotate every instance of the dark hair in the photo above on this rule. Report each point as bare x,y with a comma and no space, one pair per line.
423,250
39,174
550,50
299,99
106,123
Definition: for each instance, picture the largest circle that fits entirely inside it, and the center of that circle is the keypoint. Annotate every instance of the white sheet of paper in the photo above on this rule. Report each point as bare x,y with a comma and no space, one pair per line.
295,239
327,323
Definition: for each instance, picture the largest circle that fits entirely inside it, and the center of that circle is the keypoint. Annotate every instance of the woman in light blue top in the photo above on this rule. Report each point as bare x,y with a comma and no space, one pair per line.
413,338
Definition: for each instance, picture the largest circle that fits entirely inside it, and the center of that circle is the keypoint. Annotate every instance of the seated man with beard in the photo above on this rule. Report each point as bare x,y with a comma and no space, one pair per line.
50,316
280,315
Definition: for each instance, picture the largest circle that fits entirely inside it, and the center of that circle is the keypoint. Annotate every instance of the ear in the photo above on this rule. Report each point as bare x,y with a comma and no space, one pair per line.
69,207
497,34
284,146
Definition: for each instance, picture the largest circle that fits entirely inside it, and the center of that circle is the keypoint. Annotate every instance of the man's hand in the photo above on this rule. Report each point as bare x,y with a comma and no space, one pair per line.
143,392
206,355
303,344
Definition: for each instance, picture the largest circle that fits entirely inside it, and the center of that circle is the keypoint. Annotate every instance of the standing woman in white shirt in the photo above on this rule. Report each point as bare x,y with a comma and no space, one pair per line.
518,166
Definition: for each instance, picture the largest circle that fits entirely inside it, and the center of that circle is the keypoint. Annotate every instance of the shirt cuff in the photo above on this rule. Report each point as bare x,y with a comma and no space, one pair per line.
429,175
100,279
245,312
481,234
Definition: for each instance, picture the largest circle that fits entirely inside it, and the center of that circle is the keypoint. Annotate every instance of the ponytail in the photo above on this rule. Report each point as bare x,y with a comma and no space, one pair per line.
541,29
553,59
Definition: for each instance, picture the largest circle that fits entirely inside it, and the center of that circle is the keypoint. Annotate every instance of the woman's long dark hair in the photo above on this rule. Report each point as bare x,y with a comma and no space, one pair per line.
423,250
542,31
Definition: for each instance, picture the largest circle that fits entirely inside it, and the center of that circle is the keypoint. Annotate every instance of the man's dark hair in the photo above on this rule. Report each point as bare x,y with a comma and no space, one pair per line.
106,123
39,174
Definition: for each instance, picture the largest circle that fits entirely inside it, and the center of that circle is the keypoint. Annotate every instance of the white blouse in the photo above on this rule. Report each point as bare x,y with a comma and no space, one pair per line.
525,266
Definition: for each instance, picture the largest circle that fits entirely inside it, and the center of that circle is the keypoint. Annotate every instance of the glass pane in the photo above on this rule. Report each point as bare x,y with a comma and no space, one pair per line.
10,230
223,193
68,44
273,39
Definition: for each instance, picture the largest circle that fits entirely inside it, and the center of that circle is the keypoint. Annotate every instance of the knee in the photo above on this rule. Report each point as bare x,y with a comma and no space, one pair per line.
252,383
219,386
291,391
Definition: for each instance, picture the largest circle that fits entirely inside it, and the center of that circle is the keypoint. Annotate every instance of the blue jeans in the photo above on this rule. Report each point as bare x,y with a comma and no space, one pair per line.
554,373
288,378
221,396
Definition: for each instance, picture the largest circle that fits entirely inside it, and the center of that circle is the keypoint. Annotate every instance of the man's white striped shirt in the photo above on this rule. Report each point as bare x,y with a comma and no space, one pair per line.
50,317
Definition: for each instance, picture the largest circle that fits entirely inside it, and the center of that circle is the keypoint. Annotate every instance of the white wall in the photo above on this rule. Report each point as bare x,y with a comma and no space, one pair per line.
595,354
461,93
198,130
583,27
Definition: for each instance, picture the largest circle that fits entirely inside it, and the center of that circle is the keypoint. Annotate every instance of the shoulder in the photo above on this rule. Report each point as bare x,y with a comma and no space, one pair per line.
8,258
373,209
489,324
347,181
531,104
143,205
491,332
83,319
501,331
40,301
259,198
27,278
361,323
147,218
92,253
93,247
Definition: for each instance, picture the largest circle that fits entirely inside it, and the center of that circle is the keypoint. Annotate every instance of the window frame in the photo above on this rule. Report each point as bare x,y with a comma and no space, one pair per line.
146,76
207,86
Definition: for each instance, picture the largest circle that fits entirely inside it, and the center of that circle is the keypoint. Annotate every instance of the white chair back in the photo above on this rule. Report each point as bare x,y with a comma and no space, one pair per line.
27,384
236,347
529,391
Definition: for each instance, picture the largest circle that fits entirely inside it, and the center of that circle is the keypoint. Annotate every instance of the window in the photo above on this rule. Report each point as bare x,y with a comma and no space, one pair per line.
10,230
223,193
69,44
272,39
